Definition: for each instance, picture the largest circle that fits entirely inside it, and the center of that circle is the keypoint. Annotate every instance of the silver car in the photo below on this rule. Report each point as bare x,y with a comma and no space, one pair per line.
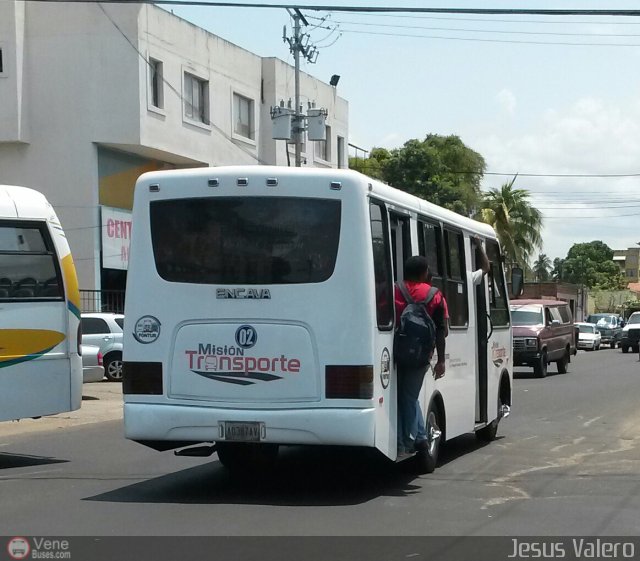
105,331
92,369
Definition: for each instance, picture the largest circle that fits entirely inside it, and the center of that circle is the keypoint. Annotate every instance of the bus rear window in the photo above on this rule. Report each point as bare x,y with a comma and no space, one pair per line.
28,264
241,240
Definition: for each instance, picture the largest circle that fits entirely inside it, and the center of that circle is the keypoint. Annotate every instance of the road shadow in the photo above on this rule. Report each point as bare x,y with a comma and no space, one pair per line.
461,446
11,461
90,398
302,477
530,375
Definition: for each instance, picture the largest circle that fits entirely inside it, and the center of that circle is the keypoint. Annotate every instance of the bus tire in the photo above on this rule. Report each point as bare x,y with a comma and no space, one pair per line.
426,460
489,433
540,369
242,457
113,367
624,348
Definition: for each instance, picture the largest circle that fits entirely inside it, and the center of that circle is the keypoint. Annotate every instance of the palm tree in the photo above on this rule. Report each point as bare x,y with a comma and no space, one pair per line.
541,268
516,221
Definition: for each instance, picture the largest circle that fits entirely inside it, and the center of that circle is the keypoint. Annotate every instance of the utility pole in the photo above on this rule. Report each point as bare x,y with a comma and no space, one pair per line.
297,120
299,45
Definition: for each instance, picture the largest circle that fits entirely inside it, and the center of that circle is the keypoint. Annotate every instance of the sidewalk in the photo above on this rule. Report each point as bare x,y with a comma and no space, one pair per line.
101,401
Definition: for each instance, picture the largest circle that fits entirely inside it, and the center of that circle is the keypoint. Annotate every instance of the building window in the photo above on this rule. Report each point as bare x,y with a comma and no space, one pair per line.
631,273
341,152
323,147
243,116
156,83
196,98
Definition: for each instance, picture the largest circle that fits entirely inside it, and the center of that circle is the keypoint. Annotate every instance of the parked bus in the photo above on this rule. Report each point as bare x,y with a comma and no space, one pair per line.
40,362
260,312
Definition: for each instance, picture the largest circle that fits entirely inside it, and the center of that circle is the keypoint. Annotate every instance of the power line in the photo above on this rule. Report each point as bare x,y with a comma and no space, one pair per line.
498,31
504,20
375,9
481,40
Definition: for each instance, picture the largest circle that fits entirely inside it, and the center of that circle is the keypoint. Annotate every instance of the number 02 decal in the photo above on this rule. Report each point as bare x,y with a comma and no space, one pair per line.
246,336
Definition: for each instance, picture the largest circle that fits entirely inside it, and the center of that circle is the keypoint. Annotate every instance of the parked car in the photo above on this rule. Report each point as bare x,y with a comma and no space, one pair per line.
589,337
631,333
105,331
92,369
610,327
543,332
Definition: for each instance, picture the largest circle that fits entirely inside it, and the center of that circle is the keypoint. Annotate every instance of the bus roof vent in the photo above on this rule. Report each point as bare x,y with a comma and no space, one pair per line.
272,182
243,181
336,185
214,182
154,188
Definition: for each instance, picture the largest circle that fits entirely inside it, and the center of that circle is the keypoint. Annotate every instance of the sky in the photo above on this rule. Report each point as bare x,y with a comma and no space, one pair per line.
508,86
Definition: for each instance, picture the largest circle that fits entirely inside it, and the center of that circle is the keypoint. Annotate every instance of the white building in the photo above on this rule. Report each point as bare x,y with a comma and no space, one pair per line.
92,95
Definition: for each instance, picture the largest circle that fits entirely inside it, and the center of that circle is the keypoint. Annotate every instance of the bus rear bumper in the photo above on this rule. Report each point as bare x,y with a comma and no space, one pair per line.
326,426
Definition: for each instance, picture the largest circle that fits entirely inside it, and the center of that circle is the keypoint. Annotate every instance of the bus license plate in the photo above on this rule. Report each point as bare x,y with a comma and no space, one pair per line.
242,432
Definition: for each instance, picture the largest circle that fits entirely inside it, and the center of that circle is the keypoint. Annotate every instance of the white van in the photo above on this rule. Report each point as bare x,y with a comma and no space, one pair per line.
260,312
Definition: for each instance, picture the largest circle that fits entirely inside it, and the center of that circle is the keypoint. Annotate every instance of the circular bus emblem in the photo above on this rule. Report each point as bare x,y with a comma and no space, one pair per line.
18,548
147,330
246,336
385,368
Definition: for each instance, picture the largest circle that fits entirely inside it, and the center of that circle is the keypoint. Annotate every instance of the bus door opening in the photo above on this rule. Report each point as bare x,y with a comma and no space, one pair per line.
400,244
482,370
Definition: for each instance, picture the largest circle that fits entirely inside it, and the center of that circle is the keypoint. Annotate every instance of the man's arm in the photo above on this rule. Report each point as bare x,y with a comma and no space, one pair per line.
440,319
440,349
485,265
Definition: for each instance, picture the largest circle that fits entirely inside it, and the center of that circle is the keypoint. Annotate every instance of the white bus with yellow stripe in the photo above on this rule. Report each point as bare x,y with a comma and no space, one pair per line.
40,362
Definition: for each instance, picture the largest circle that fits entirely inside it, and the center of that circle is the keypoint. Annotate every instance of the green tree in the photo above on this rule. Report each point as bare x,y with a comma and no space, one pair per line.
373,165
439,169
591,264
557,273
542,268
516,221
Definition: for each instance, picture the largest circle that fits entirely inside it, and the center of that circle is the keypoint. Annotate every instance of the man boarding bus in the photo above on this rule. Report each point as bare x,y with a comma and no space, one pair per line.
260,312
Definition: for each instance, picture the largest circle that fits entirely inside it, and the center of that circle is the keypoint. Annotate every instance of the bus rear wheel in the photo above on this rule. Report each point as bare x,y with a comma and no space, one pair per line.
426,460
243,457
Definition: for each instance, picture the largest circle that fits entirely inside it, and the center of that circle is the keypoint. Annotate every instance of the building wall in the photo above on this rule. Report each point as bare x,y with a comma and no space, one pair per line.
629,262
576,297
75,96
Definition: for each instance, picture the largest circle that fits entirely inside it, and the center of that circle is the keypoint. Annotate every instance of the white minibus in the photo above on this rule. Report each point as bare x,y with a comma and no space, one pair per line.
40,362
260,312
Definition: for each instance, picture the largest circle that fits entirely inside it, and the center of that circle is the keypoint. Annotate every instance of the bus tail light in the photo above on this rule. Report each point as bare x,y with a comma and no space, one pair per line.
79,341
349,382
142,378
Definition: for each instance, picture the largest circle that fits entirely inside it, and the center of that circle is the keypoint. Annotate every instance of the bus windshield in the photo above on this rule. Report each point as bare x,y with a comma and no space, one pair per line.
529,315
245,240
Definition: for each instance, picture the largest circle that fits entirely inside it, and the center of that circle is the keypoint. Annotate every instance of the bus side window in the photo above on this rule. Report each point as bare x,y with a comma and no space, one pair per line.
382,264
498,307
400,243
430,246
456,284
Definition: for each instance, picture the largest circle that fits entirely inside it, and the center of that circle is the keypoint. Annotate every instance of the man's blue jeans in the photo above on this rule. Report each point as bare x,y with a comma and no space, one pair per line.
411,425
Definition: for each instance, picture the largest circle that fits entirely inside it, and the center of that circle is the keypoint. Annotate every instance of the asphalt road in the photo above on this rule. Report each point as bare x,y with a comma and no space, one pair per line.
566,463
